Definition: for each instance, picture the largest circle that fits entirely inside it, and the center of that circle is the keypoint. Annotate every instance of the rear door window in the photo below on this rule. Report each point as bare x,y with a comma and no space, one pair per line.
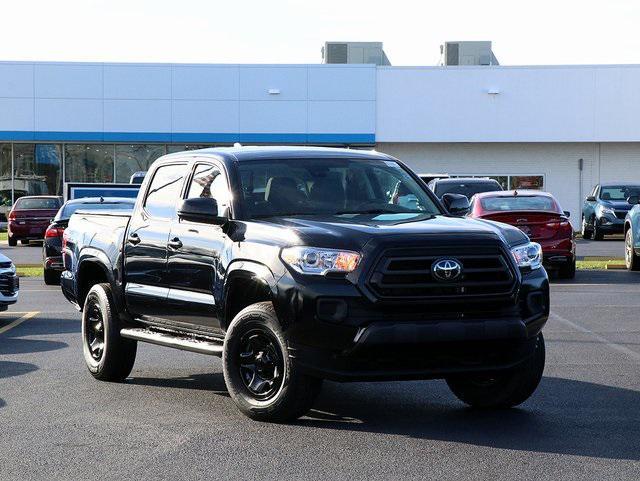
164,191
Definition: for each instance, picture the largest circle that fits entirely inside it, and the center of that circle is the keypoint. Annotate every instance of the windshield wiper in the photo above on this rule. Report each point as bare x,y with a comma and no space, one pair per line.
281,214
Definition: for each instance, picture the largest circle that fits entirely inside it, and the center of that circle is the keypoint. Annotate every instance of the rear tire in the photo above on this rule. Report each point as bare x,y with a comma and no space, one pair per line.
258,372
12,241
501,389
568,271
631,259
109,357
51,277
24,242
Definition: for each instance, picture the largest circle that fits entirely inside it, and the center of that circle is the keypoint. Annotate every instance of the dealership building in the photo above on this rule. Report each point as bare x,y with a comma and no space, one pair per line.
558,128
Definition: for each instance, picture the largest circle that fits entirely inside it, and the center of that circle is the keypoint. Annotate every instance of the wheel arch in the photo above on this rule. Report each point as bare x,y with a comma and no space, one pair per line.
246,283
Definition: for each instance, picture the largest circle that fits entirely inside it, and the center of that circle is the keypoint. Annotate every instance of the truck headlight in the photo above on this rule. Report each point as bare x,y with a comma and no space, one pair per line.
528,255
313,260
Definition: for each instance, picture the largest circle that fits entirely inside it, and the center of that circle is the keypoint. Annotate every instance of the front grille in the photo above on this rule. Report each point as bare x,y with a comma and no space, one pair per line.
402,273
621,214
5,265
9,284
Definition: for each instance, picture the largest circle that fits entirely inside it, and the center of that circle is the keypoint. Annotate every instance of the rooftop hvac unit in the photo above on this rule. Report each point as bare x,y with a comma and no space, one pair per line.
469,53
354,52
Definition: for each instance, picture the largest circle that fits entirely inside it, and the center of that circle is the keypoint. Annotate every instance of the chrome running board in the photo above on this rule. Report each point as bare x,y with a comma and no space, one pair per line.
198,344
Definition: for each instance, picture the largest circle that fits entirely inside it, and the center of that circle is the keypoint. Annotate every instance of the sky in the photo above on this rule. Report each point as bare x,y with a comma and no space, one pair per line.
539,32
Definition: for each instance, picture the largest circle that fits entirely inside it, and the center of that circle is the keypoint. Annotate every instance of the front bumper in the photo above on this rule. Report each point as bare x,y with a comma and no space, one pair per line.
371,342
610,224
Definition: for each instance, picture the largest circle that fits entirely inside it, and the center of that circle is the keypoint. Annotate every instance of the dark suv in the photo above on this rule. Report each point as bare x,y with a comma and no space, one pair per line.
302,264
605,209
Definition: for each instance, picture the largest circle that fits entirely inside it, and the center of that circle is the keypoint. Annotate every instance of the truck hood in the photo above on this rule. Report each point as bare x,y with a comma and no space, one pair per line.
354,231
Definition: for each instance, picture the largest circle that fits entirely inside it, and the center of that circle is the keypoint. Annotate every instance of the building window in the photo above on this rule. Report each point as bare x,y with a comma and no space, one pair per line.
135,158
88,163
535,182
172,148
5,181
513,182
37,169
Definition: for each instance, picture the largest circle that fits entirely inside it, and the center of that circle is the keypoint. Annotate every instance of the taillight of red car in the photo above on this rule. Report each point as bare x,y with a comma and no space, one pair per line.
12,215
53,231
562,225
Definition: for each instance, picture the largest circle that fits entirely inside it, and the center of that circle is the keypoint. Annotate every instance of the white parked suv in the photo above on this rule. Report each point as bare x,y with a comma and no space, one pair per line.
9,283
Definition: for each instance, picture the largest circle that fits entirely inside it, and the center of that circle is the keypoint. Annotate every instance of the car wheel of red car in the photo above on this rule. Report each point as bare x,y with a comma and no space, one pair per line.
12,241
568,271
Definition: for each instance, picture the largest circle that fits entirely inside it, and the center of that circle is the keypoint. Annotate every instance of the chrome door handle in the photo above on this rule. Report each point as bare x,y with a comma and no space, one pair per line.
175,243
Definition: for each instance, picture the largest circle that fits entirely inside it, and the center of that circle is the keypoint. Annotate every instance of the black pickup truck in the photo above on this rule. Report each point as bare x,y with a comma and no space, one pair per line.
301,264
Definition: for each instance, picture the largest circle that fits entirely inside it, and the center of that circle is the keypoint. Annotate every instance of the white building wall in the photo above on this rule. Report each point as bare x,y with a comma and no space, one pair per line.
508,104
558,162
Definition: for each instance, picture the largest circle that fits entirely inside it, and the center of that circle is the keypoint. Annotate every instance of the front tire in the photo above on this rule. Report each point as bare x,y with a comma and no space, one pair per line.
501,389
586,232
597,233
12,241
109,357
258,372
631,259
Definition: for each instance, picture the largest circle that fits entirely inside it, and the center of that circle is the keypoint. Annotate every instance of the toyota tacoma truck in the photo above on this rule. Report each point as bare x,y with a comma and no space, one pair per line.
296,265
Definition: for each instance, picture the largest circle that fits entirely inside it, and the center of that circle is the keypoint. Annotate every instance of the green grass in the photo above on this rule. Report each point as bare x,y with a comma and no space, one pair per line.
30,271
3,236
599,264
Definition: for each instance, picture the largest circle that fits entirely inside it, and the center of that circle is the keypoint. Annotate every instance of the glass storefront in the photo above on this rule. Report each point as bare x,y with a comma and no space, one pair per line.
88,163
37,169
135,158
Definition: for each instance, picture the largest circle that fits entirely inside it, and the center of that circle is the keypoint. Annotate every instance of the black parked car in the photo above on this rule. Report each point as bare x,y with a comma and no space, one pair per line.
467,186
302,264
52,246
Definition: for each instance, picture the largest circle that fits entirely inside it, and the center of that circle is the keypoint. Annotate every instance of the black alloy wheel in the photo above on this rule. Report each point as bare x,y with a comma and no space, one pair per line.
94,333
261,364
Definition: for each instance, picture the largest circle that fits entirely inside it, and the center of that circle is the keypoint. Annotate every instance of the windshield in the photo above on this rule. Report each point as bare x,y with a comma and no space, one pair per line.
330,187
69,209
530,202
468,189
37,203
619,192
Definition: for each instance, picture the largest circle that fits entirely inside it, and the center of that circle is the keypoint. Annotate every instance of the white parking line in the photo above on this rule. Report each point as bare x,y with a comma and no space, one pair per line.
20,320
616,347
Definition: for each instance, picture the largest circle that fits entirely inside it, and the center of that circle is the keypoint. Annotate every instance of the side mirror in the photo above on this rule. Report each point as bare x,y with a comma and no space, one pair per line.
456,204
566,213
201,209
633,199
591,198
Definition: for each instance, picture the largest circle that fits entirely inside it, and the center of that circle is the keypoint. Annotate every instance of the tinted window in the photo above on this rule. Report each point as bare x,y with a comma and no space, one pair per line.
618,192
466,188
164,191
209,181
529,202
34,203
68,210
331,187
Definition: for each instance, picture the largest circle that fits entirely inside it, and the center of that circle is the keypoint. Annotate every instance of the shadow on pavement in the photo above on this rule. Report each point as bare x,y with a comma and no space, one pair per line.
17,345
12,368
14,342
564,417
213,382
601,277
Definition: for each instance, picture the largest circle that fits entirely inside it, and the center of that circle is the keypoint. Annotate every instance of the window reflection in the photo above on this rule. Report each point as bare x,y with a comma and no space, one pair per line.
135,158
37,169
88,163
5,181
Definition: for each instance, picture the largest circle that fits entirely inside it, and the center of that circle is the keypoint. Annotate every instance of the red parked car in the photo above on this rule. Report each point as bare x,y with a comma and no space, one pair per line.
30,216
538,215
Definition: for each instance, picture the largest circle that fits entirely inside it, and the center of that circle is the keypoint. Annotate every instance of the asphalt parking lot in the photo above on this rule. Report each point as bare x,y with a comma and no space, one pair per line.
173,419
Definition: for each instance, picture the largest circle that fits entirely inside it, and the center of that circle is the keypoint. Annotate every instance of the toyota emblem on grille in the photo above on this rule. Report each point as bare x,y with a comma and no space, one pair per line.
446,270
